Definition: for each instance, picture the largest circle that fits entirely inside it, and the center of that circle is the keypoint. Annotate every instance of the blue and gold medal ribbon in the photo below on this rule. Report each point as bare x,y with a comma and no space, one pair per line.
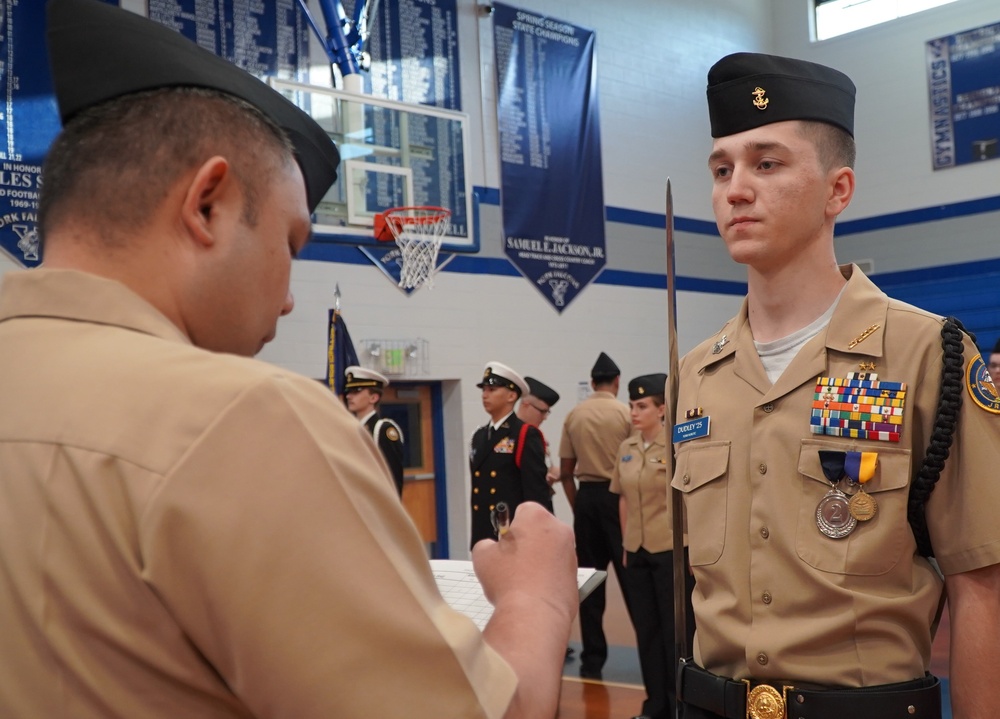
860,466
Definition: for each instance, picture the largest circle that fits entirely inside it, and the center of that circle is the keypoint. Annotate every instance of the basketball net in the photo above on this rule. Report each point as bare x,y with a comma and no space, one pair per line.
418,232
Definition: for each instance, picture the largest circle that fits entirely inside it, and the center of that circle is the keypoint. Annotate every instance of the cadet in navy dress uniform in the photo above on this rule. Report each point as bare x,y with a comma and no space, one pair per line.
507,458
363,392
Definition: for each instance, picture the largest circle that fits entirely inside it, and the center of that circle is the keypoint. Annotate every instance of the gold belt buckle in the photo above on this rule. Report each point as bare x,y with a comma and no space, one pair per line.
764,701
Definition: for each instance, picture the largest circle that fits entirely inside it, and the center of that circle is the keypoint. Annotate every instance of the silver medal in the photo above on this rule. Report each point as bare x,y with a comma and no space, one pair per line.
833,515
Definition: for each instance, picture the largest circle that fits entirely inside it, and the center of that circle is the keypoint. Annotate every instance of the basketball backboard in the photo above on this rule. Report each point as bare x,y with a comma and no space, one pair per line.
393,154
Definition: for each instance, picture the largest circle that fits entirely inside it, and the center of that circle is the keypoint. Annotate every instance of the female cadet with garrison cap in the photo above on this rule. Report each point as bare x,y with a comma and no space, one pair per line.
640,479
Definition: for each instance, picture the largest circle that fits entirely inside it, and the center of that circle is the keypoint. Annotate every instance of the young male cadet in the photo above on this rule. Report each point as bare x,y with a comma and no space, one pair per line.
811,598
363,390
507,456
185,531
534,408
592,433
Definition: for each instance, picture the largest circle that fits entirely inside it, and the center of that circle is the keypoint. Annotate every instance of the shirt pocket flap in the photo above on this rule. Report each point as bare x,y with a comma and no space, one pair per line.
892,470
699,464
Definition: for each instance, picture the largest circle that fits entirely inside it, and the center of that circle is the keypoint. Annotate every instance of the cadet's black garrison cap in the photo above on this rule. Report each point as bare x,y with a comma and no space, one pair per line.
647,385
604,368
748,90
541,390
99,52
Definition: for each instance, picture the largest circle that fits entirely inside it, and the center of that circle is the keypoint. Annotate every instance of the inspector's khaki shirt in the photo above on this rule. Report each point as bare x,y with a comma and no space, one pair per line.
774,597
190,534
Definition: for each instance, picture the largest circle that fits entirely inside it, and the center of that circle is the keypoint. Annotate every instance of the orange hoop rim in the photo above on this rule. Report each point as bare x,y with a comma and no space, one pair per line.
431,214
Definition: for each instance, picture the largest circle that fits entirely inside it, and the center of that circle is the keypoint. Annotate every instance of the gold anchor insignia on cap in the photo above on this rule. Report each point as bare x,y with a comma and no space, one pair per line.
642,390
759,101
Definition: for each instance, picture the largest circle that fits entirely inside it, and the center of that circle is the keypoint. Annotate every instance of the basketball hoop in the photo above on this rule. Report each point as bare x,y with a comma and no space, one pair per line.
418,232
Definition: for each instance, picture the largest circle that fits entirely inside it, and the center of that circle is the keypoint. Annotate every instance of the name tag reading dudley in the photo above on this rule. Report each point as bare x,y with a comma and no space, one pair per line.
691,429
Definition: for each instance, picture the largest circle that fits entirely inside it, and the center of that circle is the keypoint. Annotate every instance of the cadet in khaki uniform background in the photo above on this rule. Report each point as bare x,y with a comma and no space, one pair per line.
185,531
641,483
591,434
363,395
803,427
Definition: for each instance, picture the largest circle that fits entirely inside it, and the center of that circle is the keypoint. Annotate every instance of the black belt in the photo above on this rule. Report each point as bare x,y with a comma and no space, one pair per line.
920,698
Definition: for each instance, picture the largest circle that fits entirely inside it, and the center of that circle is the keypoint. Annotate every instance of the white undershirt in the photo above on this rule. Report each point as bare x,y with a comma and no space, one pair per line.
777,355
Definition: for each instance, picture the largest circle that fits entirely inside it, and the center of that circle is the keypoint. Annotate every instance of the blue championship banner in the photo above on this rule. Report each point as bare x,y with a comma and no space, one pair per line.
963,75
29,121
267,38
270,39
552,194
414,52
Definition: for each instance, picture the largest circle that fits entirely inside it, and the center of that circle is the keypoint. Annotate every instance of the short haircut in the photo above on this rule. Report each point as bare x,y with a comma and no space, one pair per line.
835,147
115,162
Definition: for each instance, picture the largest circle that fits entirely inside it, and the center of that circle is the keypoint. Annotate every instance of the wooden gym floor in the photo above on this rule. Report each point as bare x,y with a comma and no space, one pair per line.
619,695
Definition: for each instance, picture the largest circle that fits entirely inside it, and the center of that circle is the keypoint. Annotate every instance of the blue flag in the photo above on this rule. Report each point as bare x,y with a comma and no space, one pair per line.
340,352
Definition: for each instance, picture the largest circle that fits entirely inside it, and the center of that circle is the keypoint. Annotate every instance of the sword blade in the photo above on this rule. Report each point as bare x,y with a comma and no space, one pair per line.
670,419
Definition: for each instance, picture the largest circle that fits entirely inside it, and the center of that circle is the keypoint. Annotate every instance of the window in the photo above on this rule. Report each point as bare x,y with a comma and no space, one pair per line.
837,17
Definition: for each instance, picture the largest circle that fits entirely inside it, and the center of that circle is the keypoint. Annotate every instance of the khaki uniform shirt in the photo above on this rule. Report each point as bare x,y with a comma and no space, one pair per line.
774,597
591,434
191,534
641,478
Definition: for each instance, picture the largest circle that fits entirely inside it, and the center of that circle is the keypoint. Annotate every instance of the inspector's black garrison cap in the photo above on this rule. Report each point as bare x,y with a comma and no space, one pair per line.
748,90
541,390
98,52
604,368
647,385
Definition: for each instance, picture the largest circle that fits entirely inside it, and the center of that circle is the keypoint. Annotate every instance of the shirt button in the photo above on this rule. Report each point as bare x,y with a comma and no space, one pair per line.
766,597
764,532
762,468
769,407
762,659
687,479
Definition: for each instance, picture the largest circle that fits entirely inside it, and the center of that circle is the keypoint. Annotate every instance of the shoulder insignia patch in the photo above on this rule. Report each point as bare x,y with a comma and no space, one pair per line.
981,388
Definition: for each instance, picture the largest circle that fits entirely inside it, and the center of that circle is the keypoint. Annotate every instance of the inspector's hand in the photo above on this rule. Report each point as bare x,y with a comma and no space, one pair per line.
529,575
